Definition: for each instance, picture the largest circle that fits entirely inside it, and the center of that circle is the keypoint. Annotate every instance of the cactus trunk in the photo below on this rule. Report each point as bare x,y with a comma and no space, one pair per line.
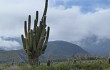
36,39
33,61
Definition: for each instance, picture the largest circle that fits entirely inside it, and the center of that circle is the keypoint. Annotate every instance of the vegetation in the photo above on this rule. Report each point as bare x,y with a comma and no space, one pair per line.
36,39
100,64
35,43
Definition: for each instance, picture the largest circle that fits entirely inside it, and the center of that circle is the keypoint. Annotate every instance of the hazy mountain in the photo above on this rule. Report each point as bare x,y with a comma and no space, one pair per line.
91,44
55,50
96,46
15,56
63,49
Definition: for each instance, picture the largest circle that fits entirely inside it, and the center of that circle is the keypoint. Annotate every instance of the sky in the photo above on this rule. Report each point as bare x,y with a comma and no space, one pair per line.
69,20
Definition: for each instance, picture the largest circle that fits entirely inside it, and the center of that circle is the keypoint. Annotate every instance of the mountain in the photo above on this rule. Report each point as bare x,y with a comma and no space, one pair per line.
96,46
55,50
63,49
15,56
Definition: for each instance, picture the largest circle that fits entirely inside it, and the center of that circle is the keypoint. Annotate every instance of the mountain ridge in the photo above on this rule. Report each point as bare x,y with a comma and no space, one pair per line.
55,50
96,46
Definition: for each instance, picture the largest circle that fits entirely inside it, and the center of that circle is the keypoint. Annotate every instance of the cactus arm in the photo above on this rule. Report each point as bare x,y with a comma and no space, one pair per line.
37,36
34,43
29,23
35,25
37,15
39,31
46,40
44,21
45,9
36,21
28,41
31,40
42,38
48,31
23,41
25,28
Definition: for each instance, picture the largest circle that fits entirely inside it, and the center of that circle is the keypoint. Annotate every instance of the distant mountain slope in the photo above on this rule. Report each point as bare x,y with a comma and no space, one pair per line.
55,50
12,56
96,46
63,49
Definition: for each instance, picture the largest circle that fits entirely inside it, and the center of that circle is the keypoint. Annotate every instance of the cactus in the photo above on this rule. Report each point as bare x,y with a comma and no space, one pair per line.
108,60
36,39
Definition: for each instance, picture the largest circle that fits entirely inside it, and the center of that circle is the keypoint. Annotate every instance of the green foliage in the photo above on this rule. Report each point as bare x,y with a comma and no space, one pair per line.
67,65
36,39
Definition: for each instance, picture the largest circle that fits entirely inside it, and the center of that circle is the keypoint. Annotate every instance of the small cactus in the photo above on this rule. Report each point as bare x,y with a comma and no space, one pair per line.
108,60
36,39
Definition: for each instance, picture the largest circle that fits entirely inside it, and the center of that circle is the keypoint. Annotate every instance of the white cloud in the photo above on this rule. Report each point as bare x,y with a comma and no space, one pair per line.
72,25
66,24
7,45
14,12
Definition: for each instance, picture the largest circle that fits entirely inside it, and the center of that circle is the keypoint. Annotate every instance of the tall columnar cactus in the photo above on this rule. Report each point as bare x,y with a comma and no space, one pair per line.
36,39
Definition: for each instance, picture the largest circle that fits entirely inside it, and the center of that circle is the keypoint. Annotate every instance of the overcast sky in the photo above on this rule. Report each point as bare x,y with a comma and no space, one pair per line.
70,20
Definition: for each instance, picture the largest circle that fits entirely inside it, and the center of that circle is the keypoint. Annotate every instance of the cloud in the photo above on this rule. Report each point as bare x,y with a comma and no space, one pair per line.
69,24
86,5
9,44
14,12
73,25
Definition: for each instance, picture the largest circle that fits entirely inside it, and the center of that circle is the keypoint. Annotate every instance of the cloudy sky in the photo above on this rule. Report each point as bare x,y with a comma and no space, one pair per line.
70,20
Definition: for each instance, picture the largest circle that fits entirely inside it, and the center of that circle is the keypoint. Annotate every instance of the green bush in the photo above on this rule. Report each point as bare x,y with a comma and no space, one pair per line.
66,65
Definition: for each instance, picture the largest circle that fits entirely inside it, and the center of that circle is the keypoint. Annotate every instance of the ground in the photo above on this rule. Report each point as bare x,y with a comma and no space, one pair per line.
100,64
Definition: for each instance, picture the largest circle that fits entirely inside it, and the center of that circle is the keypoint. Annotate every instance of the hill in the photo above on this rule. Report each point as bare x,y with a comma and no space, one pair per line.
96,46
55,50
63,49
15,56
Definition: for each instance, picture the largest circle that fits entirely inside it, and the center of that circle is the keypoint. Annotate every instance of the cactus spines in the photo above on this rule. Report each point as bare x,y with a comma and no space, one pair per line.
36,39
